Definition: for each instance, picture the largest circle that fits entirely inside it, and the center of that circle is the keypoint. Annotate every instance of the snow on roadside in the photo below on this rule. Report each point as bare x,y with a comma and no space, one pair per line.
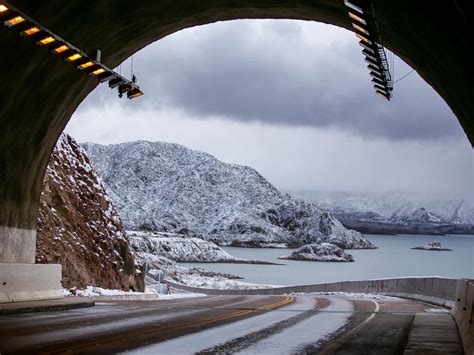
93,291
369,296
177,296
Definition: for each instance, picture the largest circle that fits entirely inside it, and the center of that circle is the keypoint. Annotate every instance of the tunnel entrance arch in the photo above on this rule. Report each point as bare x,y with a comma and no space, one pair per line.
39,94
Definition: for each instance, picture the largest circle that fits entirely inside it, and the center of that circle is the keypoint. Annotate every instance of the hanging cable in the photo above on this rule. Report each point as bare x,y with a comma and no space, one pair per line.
403,77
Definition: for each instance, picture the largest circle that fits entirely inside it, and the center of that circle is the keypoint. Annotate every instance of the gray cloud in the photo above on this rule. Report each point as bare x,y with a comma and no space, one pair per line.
275,73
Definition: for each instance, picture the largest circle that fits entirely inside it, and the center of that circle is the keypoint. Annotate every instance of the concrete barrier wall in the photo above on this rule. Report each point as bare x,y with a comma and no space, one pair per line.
436,290
28,282
463,313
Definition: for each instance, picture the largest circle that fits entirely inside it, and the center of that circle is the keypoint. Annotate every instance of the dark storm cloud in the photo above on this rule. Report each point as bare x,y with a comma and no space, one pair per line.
274,73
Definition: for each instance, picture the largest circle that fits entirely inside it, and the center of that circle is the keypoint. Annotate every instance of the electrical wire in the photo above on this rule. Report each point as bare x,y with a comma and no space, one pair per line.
404,76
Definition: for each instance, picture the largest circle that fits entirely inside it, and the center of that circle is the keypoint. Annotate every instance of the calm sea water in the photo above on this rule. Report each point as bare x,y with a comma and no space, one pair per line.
393,258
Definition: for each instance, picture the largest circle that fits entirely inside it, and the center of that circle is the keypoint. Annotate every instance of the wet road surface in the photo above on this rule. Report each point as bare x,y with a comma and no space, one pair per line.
221,325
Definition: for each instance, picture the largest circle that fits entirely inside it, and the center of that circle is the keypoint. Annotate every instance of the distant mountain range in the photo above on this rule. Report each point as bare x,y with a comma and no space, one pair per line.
396,212
166,187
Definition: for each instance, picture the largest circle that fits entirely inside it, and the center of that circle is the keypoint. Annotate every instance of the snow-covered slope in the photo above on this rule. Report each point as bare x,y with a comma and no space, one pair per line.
178,248
169,188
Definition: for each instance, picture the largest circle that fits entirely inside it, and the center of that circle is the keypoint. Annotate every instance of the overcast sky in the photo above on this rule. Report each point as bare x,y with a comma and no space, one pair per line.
293,100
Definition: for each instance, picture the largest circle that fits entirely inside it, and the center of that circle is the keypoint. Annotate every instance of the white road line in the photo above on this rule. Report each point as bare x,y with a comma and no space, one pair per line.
306,332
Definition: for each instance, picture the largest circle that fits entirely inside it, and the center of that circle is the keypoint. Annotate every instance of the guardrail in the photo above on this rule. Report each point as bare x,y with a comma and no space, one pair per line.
435,290
463,313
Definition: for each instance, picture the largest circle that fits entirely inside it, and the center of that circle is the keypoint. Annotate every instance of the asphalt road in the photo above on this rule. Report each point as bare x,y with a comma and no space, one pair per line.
218,325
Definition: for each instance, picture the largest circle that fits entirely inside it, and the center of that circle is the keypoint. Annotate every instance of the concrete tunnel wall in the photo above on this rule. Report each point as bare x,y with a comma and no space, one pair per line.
39,93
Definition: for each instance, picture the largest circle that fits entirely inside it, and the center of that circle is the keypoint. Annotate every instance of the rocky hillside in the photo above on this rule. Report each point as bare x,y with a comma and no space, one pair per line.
78,226
169,188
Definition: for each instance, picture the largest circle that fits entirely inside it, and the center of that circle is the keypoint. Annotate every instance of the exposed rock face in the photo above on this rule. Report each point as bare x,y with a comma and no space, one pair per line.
78,226
335,233
169,188
434,246
319,252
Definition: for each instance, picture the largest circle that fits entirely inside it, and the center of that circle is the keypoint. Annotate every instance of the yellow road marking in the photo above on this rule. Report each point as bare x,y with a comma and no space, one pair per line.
287,300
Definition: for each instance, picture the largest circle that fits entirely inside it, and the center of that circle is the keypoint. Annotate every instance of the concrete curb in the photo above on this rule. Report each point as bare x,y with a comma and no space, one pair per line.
43,306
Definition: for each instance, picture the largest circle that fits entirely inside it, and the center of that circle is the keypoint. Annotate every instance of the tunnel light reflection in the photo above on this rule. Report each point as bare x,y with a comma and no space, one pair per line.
44,37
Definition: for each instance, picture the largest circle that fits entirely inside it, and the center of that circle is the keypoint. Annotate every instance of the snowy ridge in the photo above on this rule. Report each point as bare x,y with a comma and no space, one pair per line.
166,187
395,205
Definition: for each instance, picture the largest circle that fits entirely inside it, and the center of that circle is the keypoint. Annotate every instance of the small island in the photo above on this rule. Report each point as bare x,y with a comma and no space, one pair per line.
319,252
434,246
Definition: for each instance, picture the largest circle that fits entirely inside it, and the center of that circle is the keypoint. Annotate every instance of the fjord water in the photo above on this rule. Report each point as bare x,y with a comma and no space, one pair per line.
393,258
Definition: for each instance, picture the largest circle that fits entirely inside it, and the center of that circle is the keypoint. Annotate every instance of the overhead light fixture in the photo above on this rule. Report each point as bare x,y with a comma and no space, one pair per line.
61,49
14,21
74,57
364,23
357,18
366,47
362,38
116,82
31,31
45,41
86,65
370,55
358,28
353,6
98,71
12,16
134,93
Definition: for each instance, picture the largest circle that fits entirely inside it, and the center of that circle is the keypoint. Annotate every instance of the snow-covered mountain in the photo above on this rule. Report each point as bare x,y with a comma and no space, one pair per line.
169,188
397,211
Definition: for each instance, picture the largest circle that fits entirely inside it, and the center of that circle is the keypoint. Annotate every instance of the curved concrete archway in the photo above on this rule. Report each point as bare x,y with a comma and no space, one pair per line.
39,93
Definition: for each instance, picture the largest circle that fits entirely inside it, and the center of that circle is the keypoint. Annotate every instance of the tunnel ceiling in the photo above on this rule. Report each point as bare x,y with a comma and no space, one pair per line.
39,93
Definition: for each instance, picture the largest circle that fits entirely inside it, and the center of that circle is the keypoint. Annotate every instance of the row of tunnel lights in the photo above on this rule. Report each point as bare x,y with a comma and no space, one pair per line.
13,18
365,28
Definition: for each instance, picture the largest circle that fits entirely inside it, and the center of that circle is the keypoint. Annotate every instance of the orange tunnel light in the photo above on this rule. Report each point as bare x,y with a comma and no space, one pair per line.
46,41
61,49
31,31
74,57
3,8
98,71
86,65
14,21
